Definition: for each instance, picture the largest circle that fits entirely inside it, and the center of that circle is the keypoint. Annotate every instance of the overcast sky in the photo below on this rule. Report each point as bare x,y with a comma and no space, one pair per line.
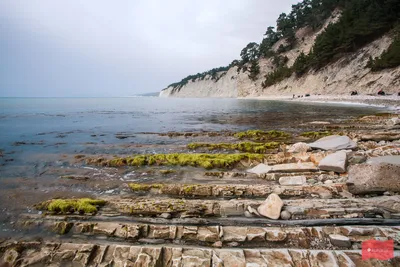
122,47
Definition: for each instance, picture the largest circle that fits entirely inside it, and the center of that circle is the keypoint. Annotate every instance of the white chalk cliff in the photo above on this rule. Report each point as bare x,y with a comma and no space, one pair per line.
341,77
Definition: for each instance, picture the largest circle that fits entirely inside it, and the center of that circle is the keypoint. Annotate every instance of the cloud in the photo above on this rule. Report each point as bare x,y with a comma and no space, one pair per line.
137,46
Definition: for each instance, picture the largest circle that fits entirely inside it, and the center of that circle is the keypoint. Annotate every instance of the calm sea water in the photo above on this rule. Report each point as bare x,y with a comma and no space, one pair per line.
79,120
32,130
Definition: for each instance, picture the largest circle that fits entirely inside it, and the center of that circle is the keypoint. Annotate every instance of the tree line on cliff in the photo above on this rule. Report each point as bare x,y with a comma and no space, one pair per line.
361,22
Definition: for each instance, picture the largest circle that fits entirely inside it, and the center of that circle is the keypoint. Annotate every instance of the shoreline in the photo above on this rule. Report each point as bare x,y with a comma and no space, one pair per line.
391,102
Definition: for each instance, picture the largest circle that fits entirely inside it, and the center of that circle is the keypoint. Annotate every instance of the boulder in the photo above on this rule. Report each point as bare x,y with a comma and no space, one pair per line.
292,180
370,178
385,159
393,121
334,162
340,241
260,169
334,142
271,208
299,148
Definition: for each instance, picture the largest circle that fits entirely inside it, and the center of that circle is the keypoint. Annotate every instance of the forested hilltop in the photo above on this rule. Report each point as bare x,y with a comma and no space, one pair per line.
340,28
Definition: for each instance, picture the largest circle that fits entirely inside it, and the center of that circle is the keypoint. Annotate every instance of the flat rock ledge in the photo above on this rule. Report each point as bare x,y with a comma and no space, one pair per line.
318,237
81,254
301,209
291,186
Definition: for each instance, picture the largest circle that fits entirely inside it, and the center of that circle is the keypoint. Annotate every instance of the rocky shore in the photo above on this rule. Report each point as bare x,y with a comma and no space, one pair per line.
391,102
308,197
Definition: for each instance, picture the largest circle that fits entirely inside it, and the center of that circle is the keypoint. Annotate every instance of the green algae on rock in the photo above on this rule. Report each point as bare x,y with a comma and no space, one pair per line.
316,135
207,161
244,146
62,228
144,187
261,135
165,172
81,205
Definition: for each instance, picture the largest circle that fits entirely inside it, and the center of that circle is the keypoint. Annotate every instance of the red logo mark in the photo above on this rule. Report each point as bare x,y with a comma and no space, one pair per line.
375,249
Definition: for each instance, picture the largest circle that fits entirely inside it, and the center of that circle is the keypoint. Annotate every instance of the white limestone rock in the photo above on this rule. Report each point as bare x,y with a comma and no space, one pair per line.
334,142
292,180
299,148
260,169
336,162
271,208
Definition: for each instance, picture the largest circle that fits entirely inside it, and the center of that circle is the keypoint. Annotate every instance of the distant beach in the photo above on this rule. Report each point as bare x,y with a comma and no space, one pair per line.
391,102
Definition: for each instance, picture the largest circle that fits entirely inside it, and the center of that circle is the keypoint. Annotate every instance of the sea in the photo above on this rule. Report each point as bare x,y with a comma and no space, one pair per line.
64,125
40,137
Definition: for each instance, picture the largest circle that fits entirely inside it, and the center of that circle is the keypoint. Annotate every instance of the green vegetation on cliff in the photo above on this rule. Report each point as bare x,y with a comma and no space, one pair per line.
360,22
215,74
389,58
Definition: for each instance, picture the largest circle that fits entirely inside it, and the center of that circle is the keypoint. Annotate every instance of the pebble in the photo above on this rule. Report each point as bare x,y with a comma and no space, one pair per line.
217,244
387,215
233,244
286,215
311,181
165,215
323,177
253,211
248,214
328,182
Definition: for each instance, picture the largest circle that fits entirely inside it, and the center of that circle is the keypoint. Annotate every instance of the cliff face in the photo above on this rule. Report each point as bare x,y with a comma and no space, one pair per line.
225,86
345,75
341,77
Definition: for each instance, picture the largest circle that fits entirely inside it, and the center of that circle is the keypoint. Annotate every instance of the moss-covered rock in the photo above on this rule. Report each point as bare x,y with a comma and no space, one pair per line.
165,172
82,205
316,135
259,135
244,146
144,187
207,161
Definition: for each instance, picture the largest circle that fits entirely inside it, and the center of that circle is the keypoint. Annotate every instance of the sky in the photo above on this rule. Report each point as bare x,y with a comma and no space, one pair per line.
75,48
